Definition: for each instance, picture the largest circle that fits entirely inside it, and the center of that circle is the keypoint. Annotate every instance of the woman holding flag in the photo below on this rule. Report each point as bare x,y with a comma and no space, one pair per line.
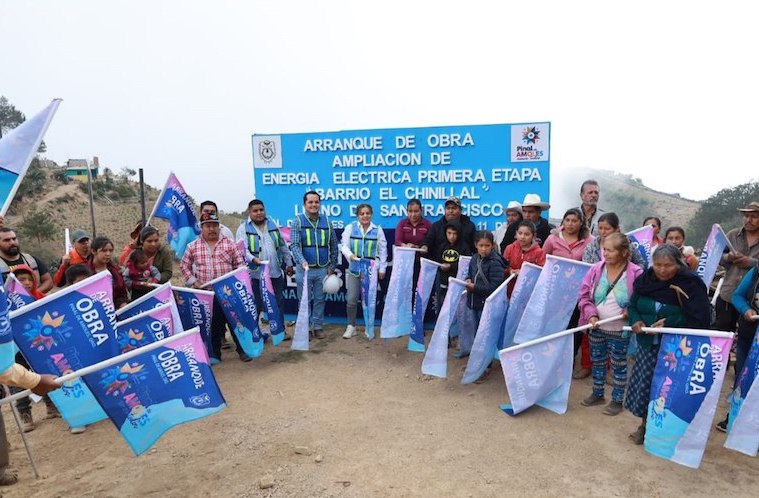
361,239
608,223
102,260
667,294
159,255
605,293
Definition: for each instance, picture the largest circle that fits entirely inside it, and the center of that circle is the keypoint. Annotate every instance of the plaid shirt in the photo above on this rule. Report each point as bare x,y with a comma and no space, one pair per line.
209,264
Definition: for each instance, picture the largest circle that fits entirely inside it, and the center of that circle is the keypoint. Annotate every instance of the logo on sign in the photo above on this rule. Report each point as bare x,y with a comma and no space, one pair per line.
531,135
267,150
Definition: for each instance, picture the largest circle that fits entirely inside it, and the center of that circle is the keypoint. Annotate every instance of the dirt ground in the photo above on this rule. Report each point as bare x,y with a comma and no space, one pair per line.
366,423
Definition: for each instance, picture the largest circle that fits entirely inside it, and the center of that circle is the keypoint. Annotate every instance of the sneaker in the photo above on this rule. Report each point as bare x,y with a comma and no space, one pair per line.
78,430
582,373
593,400
319,334
350,331
27,422
613,408
244,357
722,426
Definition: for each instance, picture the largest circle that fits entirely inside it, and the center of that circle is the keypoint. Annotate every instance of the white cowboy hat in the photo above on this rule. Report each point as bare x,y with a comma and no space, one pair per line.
513,206
533,200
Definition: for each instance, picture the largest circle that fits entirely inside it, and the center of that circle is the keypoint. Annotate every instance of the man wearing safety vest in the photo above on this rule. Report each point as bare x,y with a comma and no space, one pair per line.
264,242
314,246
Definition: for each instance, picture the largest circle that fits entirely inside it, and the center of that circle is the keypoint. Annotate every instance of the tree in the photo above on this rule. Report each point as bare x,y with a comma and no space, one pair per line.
721,208
10,118
38,225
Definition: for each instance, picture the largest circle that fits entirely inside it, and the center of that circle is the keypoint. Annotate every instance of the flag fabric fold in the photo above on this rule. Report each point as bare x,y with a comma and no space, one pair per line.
684,393
163,294
539,372
396,315
424,284
462,271
195,308
641,240
145,328
17,295
553,299
66,331
235,294
151,393
485,344
269,298
300,336
710,256
17,149
369,294
436,358
176,207
743,422
526,280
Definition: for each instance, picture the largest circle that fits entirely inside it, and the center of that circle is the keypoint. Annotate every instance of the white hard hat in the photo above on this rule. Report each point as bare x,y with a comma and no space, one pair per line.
332,284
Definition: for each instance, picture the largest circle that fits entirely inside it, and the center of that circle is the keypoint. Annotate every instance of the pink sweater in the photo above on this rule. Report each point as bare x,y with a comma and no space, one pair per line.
555,245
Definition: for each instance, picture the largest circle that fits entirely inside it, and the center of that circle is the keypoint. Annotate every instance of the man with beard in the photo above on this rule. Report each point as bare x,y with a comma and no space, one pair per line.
11,256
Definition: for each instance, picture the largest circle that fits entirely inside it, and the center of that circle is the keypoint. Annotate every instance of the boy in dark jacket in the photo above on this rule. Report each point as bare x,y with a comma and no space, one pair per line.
448,255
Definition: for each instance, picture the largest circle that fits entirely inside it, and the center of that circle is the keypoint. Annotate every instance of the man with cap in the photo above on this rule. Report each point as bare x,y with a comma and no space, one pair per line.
507,233
314,247
208,257
737,263
11,256
210,207
436,236
78,255
590,192
532,208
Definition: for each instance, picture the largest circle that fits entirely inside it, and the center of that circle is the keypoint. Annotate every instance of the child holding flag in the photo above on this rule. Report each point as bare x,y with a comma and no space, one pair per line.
523,250
487,271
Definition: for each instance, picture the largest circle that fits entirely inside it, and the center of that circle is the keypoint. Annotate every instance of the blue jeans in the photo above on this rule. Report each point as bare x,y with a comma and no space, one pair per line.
315,292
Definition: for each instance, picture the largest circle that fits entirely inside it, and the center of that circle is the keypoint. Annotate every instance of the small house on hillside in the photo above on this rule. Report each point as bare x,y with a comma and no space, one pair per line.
76,169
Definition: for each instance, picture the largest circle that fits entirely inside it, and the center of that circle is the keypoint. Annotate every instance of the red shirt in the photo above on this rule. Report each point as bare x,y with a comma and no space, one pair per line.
406,233
515,256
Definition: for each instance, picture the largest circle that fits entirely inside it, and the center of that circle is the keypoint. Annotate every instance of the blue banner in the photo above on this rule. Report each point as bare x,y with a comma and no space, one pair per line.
7,347
153,392
538,373
684,394
300,337
743,423
195,308
146,328
162,294
708,262
67,331
396,316
436,359
387,167
269,298
176,207
424,285
462,271
641,240
488,332
235,294
553,299
526,280
369,294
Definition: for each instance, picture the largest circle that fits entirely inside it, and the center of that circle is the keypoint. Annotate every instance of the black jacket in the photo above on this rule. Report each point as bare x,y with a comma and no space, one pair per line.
486,274
436,236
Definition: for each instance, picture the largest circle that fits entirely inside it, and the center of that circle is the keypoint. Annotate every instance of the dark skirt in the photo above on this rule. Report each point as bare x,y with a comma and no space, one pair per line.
639,387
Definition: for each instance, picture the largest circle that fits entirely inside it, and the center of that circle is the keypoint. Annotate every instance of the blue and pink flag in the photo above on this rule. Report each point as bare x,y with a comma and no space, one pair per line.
17,294
7,347
269,298
553,299
176,207
641,240
149,394
396,316
539,372
17,149
235,294
436,359
488,332
743,422
708,262
462,273
424,285
146,328
300,336
526,280
195,308
369,294
162,294
67,331
685,391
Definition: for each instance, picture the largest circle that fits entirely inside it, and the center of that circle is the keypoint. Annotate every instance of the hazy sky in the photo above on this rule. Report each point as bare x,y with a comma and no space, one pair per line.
665,91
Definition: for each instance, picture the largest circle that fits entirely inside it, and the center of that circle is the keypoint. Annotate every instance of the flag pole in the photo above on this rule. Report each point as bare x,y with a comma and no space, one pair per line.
55,103
107,363
560,334
17,417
